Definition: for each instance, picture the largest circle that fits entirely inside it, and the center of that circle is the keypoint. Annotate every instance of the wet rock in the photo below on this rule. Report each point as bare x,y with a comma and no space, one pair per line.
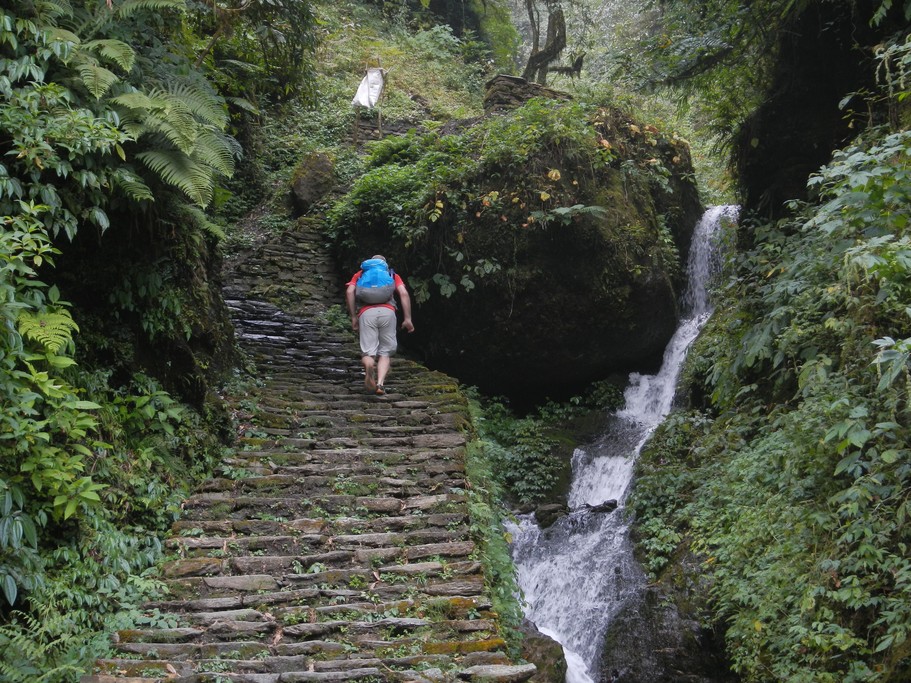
658,635
546,515
545,652
606,506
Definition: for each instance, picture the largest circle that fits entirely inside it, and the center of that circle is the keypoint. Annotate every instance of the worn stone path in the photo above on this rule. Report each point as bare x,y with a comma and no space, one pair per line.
339,546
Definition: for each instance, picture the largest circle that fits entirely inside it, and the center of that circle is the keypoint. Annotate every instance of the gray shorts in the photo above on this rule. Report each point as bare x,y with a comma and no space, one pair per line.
377,331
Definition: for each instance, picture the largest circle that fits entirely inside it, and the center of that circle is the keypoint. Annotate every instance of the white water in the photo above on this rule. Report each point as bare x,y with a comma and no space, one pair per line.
577,574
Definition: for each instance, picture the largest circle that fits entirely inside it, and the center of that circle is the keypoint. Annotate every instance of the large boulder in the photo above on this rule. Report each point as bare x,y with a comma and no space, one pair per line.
539,269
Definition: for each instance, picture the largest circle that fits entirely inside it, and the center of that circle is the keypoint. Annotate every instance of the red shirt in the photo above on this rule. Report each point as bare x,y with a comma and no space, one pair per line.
395,279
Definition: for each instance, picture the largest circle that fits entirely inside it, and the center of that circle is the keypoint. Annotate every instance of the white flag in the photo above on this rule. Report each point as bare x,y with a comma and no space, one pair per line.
370,89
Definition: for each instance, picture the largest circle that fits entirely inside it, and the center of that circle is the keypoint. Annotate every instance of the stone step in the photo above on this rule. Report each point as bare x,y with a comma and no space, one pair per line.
301,544
323,526
284,484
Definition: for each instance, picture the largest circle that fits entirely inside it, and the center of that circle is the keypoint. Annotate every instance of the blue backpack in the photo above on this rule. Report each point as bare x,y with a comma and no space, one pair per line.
376,285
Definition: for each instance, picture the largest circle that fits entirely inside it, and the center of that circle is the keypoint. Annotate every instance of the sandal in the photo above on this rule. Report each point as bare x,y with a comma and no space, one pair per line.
370,380
380,390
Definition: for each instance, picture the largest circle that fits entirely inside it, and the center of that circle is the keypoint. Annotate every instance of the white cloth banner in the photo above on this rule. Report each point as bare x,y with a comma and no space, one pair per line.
370,89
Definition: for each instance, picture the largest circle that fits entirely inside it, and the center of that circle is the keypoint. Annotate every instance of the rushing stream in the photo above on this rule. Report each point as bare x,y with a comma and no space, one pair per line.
578,573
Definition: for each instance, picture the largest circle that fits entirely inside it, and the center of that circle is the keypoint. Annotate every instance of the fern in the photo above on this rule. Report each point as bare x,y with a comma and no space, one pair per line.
39,649
130,7
96,78
244,104
115,50
214,149
179,170
132,186
53,330
199,217
188,119
49,9
61,35
203,104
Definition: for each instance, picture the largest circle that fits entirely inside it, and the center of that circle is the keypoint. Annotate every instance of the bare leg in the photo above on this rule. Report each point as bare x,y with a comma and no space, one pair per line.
382,369
369,370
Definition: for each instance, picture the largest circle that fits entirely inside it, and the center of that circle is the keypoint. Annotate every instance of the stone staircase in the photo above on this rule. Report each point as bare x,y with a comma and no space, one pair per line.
336,545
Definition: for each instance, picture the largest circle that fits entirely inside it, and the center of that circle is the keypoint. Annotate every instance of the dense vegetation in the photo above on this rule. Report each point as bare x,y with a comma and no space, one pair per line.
789,473
113,142
122,172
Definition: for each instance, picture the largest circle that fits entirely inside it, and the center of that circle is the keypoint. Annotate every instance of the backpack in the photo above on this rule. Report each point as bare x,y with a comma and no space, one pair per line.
376,285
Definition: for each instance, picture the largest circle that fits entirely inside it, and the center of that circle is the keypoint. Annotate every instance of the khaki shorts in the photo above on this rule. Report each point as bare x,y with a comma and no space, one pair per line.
377,331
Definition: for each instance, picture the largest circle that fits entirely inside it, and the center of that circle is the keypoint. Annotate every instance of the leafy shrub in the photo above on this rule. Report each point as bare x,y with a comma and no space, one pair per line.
796,488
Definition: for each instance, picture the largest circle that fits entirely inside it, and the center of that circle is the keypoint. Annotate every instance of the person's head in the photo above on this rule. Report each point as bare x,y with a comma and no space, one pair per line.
380,257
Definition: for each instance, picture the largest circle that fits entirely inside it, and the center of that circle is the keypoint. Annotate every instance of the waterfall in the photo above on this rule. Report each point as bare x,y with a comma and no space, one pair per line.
578,573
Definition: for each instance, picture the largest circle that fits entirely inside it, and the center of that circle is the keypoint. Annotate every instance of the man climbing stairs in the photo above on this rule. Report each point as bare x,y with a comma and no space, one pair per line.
337,545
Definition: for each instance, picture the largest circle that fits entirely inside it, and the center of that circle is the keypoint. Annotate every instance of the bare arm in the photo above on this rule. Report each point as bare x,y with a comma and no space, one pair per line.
406,308
352,308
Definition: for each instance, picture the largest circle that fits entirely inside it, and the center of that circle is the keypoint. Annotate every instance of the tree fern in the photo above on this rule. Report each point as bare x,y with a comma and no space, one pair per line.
52,329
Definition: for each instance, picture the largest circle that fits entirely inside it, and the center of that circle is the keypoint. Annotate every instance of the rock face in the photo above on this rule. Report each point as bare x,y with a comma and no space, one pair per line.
657,636
545,652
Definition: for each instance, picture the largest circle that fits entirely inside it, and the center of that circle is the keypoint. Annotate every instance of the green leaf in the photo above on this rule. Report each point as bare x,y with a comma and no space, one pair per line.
83,405
70,508
10,589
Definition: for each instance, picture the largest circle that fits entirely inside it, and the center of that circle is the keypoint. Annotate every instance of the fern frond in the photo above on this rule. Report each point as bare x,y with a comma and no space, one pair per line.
177,126
96,78
116,50
130,7
57,34
243,104
202,221
213,149
133,186
135,100
53,8
53,330
176,169
204,104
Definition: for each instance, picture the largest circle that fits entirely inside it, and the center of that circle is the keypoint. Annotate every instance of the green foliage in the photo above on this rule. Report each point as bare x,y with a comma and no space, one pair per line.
795,489
90,472
486,527
523,451
454,204
260,51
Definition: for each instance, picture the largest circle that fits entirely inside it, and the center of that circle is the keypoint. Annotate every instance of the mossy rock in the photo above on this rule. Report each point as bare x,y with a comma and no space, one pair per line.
585,231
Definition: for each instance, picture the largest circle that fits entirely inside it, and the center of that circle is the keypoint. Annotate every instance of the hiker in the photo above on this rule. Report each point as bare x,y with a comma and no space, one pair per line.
370,295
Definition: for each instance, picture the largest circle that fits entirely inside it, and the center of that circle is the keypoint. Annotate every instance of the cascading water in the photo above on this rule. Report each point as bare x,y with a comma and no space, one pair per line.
577,574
